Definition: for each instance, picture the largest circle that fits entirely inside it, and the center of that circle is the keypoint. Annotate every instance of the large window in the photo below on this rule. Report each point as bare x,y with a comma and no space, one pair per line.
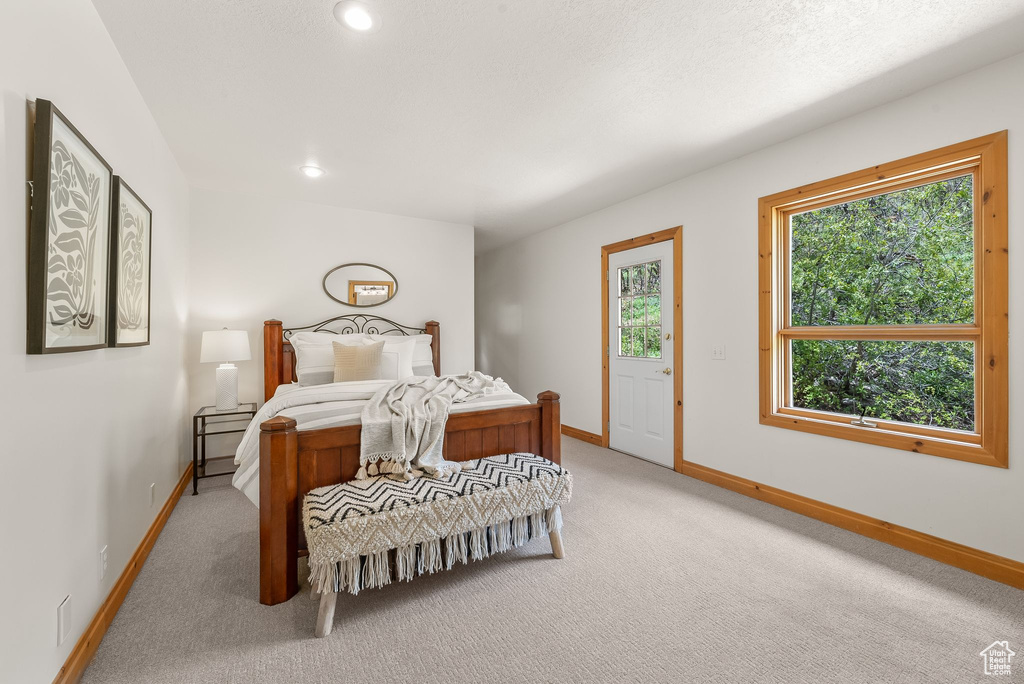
884,304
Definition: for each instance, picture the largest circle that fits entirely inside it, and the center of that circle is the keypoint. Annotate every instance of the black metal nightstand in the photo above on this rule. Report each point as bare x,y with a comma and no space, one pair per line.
226,423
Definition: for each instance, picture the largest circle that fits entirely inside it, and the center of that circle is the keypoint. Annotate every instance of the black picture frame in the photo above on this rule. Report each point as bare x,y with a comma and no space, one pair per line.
68,231
125,314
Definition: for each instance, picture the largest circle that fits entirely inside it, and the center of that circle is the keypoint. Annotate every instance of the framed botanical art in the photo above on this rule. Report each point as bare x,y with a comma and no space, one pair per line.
131,249
69,238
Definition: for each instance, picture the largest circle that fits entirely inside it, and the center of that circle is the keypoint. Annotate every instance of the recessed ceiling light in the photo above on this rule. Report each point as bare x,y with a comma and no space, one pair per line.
312,171
357,16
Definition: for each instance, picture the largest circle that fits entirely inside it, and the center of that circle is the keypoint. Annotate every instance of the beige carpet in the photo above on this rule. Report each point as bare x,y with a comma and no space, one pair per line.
665,579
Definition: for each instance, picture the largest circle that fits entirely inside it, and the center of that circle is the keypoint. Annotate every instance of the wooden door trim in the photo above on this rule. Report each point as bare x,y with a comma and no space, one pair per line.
676,236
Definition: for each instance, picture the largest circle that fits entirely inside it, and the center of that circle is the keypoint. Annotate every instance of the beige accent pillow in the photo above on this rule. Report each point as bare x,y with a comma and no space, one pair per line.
357,361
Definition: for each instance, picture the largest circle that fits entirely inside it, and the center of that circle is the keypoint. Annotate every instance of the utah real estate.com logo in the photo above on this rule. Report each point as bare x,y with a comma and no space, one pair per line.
997,658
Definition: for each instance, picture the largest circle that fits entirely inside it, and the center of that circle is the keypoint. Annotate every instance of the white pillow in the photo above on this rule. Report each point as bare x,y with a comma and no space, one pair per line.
396,358
325,338
314,355
422,354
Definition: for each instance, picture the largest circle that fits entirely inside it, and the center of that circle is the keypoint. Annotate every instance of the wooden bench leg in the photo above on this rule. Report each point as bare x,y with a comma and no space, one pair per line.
556,540
325,616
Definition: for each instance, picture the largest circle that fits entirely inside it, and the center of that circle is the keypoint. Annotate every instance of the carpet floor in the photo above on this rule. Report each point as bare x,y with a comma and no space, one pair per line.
665,579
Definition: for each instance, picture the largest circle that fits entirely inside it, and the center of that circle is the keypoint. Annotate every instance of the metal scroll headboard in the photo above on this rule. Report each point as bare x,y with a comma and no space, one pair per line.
349,324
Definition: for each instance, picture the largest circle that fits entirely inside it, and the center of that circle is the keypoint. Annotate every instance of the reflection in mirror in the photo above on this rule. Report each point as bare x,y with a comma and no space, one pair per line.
366,292
360,284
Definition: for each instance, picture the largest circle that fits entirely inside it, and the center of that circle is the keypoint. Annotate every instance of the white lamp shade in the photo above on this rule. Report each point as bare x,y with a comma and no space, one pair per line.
225,345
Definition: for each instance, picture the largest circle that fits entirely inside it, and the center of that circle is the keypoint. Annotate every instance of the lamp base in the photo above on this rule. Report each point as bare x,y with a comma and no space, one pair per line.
227,387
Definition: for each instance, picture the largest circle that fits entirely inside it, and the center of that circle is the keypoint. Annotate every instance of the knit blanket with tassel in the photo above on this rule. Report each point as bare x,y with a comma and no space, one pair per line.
359,531
403,424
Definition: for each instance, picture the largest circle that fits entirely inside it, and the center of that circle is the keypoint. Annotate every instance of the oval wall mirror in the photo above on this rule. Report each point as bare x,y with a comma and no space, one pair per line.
359,284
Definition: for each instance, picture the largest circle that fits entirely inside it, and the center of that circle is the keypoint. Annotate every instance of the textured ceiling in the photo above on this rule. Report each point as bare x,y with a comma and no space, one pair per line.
516,115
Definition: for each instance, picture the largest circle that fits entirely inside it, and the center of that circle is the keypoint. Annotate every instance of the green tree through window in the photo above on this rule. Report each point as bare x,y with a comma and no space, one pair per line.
900,258
640,310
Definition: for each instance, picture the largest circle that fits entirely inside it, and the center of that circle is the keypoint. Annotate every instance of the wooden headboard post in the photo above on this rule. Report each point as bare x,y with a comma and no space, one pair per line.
550,426
433,329
273,339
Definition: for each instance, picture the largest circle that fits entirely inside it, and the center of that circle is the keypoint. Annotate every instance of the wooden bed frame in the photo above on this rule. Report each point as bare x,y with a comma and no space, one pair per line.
293,462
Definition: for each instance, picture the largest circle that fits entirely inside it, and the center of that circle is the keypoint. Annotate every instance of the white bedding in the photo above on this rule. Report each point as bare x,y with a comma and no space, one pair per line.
322,406
285,389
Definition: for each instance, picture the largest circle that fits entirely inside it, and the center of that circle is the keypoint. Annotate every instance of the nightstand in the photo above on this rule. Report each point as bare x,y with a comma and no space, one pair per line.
208,421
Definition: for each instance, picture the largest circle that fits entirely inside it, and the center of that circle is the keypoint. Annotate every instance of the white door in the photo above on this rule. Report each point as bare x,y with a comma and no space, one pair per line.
641,355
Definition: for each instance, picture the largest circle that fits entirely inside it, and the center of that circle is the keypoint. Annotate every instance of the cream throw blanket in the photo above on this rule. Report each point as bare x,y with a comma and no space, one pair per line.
403,424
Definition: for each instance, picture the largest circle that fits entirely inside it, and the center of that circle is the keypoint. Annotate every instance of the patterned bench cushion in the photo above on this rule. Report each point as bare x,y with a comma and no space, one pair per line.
500,502
357,498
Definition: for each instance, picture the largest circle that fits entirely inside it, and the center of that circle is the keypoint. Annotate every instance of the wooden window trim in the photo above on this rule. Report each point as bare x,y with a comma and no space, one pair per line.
986,158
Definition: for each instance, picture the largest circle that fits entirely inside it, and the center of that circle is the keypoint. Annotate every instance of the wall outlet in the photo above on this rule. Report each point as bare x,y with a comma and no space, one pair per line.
64,619
152,494
103,562
718,352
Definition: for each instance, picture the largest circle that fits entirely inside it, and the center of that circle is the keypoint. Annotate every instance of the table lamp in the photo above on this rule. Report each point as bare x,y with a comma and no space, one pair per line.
224,346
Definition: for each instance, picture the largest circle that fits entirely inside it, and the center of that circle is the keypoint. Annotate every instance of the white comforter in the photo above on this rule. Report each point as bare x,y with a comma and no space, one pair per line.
323,406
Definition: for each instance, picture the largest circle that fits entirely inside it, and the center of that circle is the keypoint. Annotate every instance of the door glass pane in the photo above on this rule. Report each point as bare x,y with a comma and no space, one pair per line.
637,277
922,383
654,310
654,277
638,342
903,257
640,310
654,342
625,342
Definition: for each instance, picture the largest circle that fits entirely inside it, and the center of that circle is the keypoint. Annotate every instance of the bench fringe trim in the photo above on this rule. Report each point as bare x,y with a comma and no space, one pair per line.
374,570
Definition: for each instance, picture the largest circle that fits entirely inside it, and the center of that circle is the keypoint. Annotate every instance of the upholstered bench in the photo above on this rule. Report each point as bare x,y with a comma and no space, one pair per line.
359,532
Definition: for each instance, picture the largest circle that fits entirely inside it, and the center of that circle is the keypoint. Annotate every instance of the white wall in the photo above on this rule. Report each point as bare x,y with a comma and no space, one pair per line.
539,316
242,273
86,433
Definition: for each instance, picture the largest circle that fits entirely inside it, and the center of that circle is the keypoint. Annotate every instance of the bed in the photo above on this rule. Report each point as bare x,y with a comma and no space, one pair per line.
295,459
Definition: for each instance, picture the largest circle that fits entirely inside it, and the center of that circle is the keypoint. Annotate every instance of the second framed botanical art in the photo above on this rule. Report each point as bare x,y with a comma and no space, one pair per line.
130,254
69,238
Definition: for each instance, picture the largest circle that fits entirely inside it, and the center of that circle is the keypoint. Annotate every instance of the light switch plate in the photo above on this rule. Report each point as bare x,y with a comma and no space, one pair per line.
103,562
64,619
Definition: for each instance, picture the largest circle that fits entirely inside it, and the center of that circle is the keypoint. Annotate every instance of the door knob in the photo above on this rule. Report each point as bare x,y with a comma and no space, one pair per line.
667,371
